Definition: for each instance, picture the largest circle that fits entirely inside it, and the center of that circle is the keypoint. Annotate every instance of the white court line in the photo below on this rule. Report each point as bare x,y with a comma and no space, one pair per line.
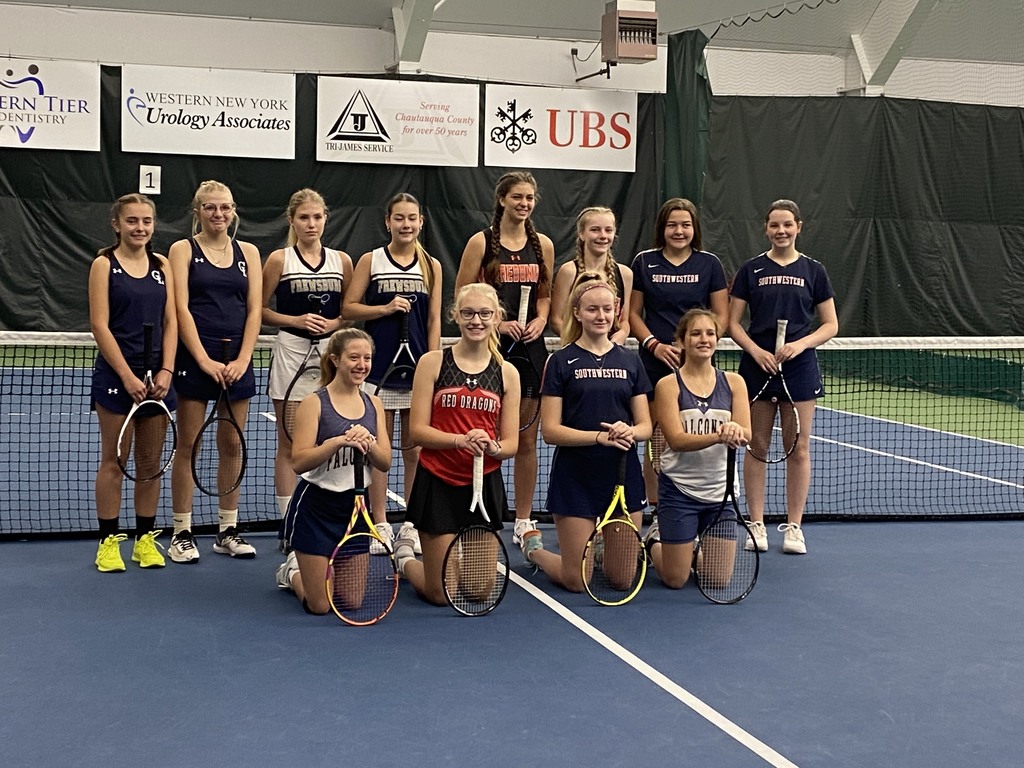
756,746
908,425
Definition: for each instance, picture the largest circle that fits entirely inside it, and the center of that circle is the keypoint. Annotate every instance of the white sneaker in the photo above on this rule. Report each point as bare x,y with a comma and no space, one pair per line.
408,531
387,533
758,536
521,527
228,542
183,548
285,571
404,547
793,539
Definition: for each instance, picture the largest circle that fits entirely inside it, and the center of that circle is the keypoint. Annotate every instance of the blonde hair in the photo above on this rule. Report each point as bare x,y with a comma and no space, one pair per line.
488,292
210,187
611,267
572,329
297,200
336,345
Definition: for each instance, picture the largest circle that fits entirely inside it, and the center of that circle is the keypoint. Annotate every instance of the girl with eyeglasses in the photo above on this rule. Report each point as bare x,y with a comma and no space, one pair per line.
218,294
465,403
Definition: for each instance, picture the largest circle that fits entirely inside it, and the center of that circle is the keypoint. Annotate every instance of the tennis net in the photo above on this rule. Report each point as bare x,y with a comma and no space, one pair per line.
909,428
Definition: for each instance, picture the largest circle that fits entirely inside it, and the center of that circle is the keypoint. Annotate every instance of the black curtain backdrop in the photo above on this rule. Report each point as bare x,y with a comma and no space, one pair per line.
913,206
55,205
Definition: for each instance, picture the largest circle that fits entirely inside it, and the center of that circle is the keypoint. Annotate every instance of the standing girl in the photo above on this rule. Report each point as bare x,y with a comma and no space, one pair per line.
594,408
217,291
306,282
465,403
674,276
129,287
782,284
394,281
703,412
330,426
595,235
508,255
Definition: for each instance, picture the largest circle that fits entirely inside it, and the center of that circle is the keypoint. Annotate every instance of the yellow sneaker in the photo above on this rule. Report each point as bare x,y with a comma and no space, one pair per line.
145,551
108,554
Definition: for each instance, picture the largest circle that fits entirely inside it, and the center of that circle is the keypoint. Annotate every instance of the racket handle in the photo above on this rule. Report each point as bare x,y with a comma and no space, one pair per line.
478,476
524,303
621,479
358,470
780,335
403,331
147,346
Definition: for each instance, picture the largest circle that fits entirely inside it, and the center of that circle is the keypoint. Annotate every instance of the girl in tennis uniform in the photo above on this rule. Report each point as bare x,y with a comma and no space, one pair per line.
306,282
129,286
674,276
702,412
217,291
595,235
396,280
465,403
508,255
594,408
782,284
330,426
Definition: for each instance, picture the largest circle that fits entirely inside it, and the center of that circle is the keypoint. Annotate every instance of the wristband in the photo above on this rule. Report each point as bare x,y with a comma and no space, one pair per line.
654,345
597,438
647,341
168,370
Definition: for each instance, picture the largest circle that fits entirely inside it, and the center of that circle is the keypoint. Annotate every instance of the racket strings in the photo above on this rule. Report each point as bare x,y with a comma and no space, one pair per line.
476,571
218,458
615,563
726,570
775,428
361,588
147,443
302,385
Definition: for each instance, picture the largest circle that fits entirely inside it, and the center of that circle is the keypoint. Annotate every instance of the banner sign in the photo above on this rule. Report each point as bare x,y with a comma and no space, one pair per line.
397,122
49,104
570,128
223,113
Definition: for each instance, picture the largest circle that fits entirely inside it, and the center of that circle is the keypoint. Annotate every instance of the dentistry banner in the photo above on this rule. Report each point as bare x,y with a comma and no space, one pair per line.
217,112
397,122
572,128
49,104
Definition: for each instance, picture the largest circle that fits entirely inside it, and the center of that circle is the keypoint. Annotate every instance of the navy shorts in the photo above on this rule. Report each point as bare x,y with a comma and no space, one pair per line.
191,383
317,518
803,378
109,393
582,481
529,377
436,507
682,517
655,369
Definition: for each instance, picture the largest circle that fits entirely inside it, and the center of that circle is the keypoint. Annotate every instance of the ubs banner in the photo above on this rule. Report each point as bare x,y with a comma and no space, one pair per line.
49,104
397,122
571,128
223,113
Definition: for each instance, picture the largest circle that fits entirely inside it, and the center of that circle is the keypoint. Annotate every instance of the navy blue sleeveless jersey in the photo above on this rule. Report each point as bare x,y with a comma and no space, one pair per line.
134,301
387,280
217,295
303,288
336,473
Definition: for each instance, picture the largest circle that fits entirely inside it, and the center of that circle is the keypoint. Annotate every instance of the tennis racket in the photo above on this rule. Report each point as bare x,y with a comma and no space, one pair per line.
614,561
774,421
219,454
726,570
655,447
475,567
529,377
148,437
396,384
306,378
361,588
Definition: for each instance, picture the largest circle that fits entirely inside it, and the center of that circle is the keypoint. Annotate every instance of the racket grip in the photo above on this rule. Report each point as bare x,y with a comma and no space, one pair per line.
147,345
621,471
524,303
404,328
780,335
478,476
358,469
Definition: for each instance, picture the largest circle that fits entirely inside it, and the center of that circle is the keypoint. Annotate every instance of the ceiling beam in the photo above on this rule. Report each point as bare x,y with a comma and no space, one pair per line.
887,36
412,23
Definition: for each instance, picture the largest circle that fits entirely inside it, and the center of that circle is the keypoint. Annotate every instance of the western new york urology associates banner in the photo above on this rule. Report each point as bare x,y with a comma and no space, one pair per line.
49,104
572,128
220,112
397,122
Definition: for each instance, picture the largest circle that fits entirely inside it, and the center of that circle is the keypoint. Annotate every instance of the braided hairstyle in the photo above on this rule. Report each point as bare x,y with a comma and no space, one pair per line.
611,267
491,261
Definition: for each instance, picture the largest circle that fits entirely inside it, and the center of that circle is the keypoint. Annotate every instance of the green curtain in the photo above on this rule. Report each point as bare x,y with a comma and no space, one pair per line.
687,116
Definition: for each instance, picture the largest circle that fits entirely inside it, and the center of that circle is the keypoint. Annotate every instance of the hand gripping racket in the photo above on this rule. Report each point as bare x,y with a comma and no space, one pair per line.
360,588
614,561
148,437
726,570
529,377
219,454
774,421
306,378
475,568
398,376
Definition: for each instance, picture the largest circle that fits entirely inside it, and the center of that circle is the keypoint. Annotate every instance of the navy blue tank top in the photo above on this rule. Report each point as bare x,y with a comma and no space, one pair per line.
217,295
